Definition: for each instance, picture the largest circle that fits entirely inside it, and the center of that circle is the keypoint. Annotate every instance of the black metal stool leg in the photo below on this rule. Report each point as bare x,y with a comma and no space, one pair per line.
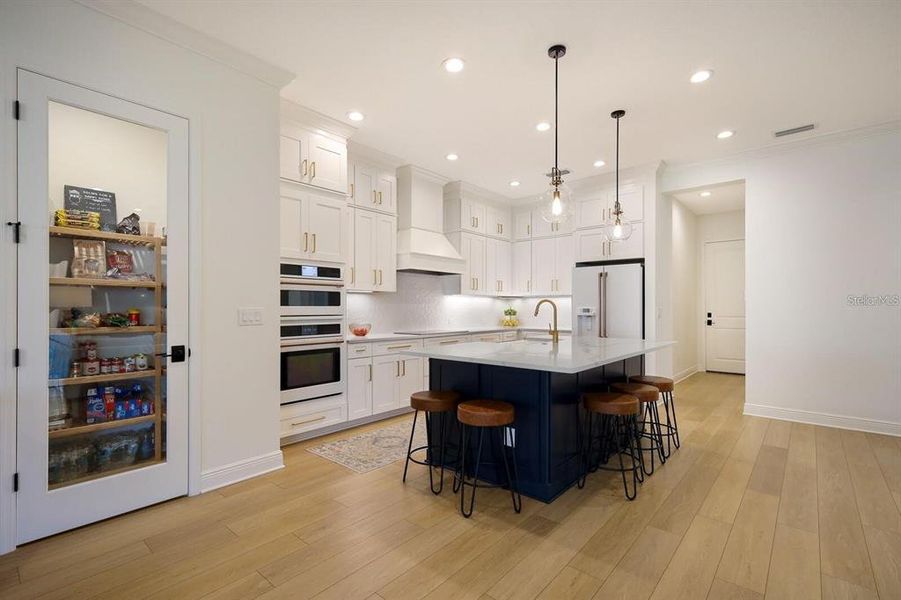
672,404
512,483
410,445
656,425
459,473
475,481
515,472
585,451
443,445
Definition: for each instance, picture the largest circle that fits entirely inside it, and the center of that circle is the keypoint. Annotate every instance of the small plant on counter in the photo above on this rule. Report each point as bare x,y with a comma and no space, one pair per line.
510,319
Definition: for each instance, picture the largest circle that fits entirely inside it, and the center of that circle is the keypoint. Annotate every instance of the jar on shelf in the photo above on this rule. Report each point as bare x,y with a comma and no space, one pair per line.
134,317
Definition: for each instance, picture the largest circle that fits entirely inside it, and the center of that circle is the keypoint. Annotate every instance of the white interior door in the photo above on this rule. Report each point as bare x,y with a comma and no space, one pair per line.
103,424
724,299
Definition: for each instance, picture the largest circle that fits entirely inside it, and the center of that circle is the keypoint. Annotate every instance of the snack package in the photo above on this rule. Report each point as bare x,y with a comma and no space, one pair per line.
88,258
120,260
130,225
95,408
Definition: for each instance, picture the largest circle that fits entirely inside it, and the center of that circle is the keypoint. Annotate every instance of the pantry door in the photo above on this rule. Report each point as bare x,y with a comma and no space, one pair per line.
102,300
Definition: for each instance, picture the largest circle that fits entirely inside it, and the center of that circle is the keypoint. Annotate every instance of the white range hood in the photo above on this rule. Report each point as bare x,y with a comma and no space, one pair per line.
421,244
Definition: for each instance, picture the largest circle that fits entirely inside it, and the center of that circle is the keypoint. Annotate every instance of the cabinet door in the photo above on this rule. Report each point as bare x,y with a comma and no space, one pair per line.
359,388
327,228
292,224
386,253
291,158
590,244
631,197
350,271
632,247
472,217
410,379
503,266
540,227
565,227
522,225
497,222
364,192
473,248
544,267
385,373
386,192
365,274
522,267
328,163
592,211
563,257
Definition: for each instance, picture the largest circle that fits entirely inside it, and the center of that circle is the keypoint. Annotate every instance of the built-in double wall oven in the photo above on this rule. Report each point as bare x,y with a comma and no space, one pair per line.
312,331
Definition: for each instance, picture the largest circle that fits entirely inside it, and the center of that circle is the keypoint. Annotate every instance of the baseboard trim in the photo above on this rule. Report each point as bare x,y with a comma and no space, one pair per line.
241,470
824,419
685,373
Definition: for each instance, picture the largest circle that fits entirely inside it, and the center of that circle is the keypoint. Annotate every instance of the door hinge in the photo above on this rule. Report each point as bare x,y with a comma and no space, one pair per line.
17,110
17,230
15,482
16,360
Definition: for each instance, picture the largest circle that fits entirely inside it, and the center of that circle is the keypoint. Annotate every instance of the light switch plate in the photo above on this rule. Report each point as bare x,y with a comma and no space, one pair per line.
248,317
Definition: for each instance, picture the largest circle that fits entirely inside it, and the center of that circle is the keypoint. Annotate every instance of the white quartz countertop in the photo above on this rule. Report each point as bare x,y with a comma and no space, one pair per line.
391,337
571,355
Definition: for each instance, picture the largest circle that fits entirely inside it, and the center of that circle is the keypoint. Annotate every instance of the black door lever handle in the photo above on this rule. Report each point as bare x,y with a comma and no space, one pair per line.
176,355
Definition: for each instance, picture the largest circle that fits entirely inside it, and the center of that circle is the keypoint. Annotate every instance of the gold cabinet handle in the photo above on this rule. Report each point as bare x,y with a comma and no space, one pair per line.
374,197
305,421
403,365
380,197
445,342
528,230
358,350
305,240
397,368
381,280
375,276
352,190
352,277
303,167
314,243
313,169
370,372
400,347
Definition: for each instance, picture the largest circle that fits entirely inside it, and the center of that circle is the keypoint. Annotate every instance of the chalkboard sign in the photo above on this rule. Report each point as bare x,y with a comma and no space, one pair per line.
80,198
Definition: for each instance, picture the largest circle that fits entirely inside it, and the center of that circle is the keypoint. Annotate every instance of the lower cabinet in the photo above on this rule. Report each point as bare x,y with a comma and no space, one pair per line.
310,415
383,381
359,388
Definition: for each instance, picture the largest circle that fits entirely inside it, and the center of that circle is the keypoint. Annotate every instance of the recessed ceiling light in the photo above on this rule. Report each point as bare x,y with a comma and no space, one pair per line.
725,134
453,65
701,76
543,126
355,115
599,163
451,156
514,183
705,194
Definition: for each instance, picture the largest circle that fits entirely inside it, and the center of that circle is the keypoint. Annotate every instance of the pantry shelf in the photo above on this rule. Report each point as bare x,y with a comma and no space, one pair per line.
107,473
85,428
135,330
82,281
109,236
112,377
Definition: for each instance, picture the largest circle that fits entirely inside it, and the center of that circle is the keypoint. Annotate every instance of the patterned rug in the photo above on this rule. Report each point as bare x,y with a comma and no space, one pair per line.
374,449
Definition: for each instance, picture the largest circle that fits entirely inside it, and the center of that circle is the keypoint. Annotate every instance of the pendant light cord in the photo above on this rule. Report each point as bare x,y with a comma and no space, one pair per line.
556,113
617,209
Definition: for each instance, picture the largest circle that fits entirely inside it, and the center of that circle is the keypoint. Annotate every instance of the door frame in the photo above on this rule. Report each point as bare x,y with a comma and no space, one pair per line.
9,158
702,298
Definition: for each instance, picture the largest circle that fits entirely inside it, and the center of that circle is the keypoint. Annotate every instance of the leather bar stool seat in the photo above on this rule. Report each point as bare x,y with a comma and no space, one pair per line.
649,423
612,427
610,403
663,384
644,393
485,413
434,401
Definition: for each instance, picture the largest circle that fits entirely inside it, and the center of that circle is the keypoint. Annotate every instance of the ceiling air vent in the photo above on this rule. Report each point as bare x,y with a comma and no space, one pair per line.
794,130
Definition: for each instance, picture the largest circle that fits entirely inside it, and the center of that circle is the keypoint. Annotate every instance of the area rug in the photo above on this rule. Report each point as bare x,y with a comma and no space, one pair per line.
373,449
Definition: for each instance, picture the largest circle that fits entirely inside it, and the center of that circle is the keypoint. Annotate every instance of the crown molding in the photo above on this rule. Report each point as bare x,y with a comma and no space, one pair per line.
309,118
159,25
362,153
463,188
421,173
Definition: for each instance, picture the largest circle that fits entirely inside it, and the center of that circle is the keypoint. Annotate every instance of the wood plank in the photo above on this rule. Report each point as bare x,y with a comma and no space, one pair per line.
798,504
725,496
874,499
839,589
249,586
639,571
778,434
795,565
746,559
571,584
888,454
885,555
769,470
802,447
725,590
690,572
686,499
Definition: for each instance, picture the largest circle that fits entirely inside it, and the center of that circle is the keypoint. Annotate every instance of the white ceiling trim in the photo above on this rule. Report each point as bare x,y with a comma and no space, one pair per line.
161,26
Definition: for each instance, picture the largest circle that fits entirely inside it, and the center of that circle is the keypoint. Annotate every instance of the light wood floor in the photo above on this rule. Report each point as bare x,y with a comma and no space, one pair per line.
748,508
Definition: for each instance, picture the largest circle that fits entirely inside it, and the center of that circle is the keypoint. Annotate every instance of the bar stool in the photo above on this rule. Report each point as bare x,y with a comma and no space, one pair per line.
665,386
443,403
648,422
618,415
495,416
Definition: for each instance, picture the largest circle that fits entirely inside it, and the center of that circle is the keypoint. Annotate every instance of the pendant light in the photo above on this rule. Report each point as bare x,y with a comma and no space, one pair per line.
617,229
556,202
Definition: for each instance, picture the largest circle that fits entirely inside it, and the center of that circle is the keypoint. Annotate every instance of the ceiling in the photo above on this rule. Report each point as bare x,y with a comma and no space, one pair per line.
723,198
776,65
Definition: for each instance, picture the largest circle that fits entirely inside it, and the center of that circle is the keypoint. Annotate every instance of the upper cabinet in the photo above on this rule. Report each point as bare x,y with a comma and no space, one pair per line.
522,225
373,267
313,226
468,208
497,222
590,245
313,159
372,187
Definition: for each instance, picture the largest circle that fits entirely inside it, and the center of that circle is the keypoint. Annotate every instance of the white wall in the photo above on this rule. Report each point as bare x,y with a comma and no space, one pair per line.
685,301
720,227
234,121
822,223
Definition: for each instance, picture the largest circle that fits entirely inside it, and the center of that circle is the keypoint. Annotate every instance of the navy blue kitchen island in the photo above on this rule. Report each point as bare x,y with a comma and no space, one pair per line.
543,382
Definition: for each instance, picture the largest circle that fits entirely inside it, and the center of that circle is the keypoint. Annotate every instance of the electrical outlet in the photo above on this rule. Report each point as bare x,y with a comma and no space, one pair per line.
248,317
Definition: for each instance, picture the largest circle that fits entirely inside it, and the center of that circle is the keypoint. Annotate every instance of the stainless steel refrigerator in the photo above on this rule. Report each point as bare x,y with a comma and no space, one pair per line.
608,299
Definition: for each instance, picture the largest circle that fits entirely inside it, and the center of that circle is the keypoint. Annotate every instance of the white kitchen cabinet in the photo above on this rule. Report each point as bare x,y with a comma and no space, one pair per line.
373,188
359,388
564,262
313,159
386,192
385,372
590,244
632,247
409,380
540,227
486,337
498,267
544,266
522,225
374,264
497,221
312,226
522,267
591,211
386,253
631,198
473,249
472,216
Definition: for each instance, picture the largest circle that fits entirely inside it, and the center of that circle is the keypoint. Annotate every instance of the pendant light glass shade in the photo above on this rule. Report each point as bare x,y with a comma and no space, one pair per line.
617,228
556,203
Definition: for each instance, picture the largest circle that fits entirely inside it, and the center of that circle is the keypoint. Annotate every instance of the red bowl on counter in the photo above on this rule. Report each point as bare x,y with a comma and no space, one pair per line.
360,329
